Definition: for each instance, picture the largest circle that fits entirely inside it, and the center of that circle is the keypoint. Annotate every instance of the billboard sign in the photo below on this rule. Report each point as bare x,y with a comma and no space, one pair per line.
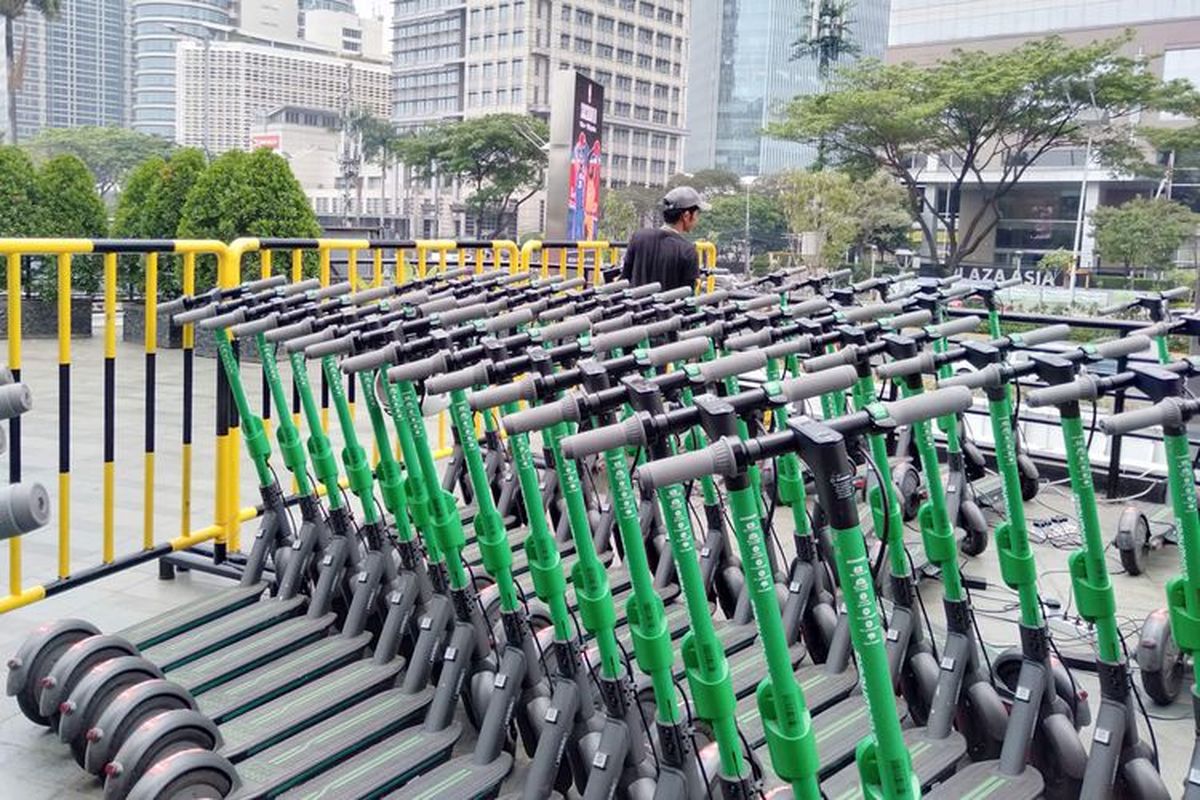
575,176
271,141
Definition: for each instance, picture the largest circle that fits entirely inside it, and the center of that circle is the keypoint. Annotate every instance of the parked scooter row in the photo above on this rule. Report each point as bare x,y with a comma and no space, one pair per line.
596,577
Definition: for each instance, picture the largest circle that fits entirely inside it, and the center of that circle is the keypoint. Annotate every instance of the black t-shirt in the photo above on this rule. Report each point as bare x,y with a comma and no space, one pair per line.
660,255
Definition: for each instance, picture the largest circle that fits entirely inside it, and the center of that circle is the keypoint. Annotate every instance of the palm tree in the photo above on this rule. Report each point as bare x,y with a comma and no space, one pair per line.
11,10
377,141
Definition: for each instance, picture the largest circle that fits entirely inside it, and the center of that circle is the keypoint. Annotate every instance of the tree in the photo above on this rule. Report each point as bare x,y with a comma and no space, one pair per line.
1143,232
498,156
618,217
988,117
68,206
725,225
881,209
829,39
820,207
130,220
12,10
110,153
708,182
246,194
17,192
378,140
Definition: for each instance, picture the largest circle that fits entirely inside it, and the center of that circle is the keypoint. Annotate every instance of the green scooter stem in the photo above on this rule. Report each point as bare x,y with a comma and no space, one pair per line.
387,471
406,418
323,461
1089,572
1183,593
253,434
286,433
354,457
884,504
1012,536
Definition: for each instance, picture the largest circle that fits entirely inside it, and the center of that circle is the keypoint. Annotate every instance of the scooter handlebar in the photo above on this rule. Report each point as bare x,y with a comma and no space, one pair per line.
419,369
509,321
838,274
645,290
1016,280
759,303
979,379
440,305
745,341
710,299
1171,412
808,386
684,350
601,326
495,396
372,295
1117,348
871,312
24,507
918,364
727,366
837,358
716,459
801,345
809,308
1083,388
255,326
457,316
1040,336
954,327
458,379
1177,292
615,286
223,320
569,328
609,437
1115,308
671,295
1155,330
930,405
913,319
539,417
15,400
329,347
286,332
372,360
302,343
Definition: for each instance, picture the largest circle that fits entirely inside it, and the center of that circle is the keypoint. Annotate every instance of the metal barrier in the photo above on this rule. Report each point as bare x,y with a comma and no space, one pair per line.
397,261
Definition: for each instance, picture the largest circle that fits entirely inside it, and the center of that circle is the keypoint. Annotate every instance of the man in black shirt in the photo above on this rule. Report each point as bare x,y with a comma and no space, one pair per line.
662,255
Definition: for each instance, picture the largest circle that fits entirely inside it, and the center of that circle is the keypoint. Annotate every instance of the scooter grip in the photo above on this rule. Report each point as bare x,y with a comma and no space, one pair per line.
609,325
558,313
15,400
419,369
871,312
838,274
665,326
930,405
979,379
1170,412
265,283
539,417
716,459
759,303
195,314
300,287
441,305
1016,280
1176,293
1040,336
330,347
847,355
710,298
509,321
615,286
645,290
569,328
608,437
6,376
1083,388
302,343
744,341
24,507
683,350
254,326
800,346
458,379
456,316
808,308
807,386
728,366
223,320
495,396
620,339
173,307
1114,308
1116,348
918,364
913,319
372,295
712,330
570,285
954,327
300,328
1155,330
671,295
446,274
900,277
372,360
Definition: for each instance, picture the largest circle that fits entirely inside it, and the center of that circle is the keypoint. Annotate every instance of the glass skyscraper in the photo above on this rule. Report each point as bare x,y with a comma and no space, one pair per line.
744,71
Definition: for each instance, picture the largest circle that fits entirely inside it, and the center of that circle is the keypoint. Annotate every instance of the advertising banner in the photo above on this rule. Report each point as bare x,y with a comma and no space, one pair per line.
575,177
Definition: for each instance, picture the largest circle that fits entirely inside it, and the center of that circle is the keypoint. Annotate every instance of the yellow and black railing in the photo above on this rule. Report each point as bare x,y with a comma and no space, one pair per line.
365,263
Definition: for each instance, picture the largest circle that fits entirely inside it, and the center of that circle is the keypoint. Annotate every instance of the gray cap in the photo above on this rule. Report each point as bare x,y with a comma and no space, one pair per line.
681,198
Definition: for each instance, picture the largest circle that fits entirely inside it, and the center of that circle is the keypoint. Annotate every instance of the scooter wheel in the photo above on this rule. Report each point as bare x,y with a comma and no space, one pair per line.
1142,781
1133,536
188,774
975,529
1164,683
908,489
1031,479
36,659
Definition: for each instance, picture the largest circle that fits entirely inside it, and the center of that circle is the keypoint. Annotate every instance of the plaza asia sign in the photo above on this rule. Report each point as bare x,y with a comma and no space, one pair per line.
1030,276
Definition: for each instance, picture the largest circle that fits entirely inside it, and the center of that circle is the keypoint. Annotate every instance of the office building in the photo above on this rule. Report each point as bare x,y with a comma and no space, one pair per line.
1043,212
455,59
75,67
744,70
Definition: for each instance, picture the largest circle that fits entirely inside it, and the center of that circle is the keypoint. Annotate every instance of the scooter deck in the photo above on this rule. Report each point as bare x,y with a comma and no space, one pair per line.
221,666
348,735
247,734
281,675
746,665
932,761
383,767
190,615
461,779
179,650
984,779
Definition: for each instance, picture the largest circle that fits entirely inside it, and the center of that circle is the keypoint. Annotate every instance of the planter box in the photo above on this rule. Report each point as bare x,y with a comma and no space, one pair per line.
206,347
39,318
170,337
